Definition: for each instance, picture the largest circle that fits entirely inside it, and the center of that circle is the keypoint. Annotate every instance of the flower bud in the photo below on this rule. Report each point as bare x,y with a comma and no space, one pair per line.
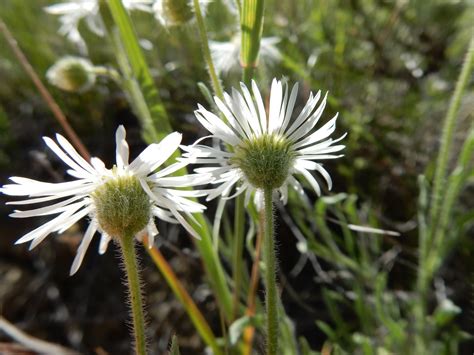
265,160
122,206
72,74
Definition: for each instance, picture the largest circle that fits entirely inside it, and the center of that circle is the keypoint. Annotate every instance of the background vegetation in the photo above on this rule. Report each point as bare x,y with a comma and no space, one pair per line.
390,67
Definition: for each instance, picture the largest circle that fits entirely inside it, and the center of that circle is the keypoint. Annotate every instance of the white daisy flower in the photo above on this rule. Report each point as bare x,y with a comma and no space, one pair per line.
266,151
73,11
226,55
118,201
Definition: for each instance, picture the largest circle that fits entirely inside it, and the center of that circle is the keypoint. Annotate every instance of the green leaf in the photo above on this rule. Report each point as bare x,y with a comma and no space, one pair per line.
174,350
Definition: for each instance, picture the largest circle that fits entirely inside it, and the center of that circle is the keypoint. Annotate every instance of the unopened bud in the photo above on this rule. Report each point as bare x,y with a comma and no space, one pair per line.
72,74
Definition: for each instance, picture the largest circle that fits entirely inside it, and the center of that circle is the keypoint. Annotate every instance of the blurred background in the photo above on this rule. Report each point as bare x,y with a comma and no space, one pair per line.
390,68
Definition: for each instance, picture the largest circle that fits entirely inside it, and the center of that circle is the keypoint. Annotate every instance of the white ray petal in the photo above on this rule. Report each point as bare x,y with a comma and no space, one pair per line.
73,220
253,118
104,242
305,112
69,149
312,181
156,154
310,165
185,224
233,104
260,106
121,150
229,116
51,209
289,108
163,215
48,227
63,156
215,125
309,124
320,134
184,180
276,95
81,251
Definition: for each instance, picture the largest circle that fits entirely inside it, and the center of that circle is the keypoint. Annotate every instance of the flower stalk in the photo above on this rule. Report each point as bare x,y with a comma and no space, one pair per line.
270,275
216,84
127,246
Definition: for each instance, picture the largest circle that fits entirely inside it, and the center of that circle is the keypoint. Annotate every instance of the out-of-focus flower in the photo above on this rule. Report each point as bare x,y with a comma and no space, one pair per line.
72,12
226,55
266,151
72,74
176,12
120,201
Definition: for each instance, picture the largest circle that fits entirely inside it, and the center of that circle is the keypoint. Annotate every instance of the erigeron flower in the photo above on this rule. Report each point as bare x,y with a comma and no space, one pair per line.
120,201
260,151
226,55
176,12
74,11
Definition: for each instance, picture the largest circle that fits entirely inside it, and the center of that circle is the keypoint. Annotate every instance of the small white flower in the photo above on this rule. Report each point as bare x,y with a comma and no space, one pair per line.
109,196
226,55
265,150
73,11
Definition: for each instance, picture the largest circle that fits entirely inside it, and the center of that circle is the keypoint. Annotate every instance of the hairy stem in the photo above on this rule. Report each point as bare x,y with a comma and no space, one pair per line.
447,138
270,276
127,245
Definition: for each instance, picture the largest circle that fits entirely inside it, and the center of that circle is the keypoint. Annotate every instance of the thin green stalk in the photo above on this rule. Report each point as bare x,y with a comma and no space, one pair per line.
239,223
251,24
453,188
447,138
430,250
270,276
216,84
127,245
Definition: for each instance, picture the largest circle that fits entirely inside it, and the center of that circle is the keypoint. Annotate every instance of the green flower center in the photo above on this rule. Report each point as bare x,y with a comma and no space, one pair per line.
265,160
122,206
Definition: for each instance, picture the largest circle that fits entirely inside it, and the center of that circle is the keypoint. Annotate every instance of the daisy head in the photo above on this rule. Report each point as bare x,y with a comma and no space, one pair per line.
258,151
119,202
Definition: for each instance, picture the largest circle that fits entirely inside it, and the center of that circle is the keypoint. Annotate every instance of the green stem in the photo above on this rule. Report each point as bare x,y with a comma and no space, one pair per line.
216,84
127,244
239,222
251,25
447,138
270,276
